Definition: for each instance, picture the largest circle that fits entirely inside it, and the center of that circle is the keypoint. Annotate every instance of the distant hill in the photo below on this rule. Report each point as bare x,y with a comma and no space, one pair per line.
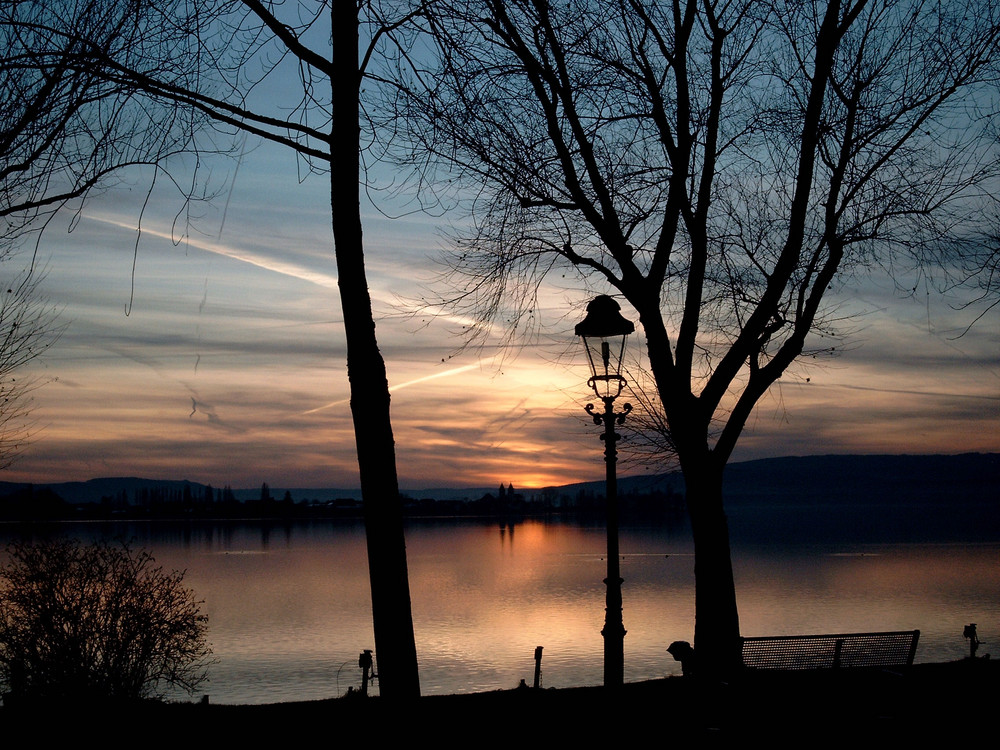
840,478
93,490
969,476
808,479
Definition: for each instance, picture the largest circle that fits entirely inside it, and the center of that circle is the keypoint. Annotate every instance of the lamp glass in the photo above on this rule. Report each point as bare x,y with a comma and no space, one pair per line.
605,354
603,331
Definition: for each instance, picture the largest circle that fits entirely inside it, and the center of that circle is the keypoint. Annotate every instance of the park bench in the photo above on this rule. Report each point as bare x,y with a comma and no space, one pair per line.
836,651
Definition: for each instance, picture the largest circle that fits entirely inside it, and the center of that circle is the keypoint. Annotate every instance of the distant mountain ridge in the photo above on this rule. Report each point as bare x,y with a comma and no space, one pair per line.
804,479
867,478
841,478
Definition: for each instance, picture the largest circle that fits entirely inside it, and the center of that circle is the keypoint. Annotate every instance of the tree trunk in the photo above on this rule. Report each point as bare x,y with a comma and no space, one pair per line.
395,649
717,623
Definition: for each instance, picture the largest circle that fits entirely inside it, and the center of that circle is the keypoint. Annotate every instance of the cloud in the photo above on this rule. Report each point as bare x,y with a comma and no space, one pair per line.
231,366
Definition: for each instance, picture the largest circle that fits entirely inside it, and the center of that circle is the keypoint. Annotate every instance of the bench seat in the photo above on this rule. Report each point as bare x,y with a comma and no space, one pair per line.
832,651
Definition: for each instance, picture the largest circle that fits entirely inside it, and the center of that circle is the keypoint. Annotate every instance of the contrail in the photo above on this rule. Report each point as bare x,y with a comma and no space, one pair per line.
293,270
287,269
905,392
407,384
435,376
268,264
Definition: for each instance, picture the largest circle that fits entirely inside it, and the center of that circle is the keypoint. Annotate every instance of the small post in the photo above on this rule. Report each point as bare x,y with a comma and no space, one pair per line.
538,666
365,662
970,633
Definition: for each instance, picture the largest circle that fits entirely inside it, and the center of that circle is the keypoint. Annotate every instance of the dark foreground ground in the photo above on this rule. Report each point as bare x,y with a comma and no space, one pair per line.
957,701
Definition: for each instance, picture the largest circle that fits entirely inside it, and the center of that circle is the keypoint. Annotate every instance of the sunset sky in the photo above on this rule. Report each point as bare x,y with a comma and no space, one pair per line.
230,366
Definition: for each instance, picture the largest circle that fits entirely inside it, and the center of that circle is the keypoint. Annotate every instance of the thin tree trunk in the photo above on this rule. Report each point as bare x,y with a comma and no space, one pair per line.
395,649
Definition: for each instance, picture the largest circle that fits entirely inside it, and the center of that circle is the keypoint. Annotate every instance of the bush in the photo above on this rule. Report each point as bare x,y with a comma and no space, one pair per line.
99,621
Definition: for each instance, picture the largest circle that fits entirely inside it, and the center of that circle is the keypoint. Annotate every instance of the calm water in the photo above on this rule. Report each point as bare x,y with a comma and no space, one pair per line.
289,607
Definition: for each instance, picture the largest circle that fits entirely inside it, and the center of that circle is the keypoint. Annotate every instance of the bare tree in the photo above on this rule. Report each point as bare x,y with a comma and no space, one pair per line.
720,166
66,126
65,131
28,326
237,47
99,621
393,621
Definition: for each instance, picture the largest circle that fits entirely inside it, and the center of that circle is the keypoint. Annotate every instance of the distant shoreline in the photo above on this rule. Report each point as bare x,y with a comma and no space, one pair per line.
802,481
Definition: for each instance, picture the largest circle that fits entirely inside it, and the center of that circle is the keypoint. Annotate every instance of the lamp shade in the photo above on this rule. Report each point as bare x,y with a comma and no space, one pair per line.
603,331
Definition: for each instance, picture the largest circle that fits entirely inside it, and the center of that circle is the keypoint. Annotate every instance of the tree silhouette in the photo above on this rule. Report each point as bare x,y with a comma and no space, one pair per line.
719,165
96,622
68,126
27,328
66,130
234,46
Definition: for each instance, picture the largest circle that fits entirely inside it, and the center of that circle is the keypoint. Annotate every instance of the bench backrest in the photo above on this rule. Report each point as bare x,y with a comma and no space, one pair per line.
841,650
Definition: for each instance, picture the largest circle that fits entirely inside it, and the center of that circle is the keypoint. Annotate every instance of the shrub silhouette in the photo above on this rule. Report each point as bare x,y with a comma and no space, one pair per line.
96,622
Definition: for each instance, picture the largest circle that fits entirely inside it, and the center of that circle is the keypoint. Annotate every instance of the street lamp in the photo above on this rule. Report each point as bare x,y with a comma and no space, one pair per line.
603,331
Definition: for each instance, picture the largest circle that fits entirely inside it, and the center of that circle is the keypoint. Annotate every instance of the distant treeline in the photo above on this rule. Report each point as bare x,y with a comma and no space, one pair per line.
811,481
41,504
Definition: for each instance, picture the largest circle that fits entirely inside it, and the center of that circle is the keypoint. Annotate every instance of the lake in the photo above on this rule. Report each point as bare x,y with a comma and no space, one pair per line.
289,608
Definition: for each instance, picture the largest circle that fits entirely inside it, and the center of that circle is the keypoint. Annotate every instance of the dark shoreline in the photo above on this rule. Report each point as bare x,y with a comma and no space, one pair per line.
948,700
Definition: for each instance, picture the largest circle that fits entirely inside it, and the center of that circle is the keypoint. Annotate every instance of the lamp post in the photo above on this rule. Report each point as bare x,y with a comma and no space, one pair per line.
603,331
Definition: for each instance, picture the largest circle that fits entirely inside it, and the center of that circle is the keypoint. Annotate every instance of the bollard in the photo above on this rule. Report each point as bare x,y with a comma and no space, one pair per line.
970,633
365,662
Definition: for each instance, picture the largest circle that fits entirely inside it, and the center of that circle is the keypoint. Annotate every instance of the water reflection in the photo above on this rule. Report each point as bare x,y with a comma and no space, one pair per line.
289,604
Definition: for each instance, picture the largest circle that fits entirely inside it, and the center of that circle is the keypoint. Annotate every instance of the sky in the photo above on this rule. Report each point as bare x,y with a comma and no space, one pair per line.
221,358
